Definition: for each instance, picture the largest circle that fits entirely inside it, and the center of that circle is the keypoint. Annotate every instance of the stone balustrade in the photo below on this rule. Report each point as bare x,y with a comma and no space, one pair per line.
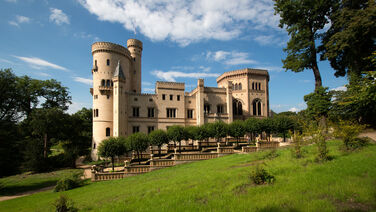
183,147
208,144
225,150
200,156
142,155
241,140
97,176
136,169
161,163
266,145
156,151
249,149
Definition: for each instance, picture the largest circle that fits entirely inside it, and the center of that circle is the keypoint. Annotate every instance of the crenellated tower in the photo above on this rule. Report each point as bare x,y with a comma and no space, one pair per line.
135,48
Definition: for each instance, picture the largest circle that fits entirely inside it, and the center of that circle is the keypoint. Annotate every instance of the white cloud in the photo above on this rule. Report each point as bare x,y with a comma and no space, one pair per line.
85,35
185,22
43,74
271,68
19,20
340,88
294,109
230,58
172,75
83,80
58,16
38,63
205,69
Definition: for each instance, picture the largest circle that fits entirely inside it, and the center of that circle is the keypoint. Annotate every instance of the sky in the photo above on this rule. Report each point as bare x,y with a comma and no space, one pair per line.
182,41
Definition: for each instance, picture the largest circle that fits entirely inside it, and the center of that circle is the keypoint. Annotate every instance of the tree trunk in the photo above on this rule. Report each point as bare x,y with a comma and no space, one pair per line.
45,146
315,68
159,150
113,164
284,137
138,156
179,146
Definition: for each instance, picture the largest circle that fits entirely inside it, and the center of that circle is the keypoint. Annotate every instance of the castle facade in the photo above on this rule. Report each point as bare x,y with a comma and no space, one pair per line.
120,109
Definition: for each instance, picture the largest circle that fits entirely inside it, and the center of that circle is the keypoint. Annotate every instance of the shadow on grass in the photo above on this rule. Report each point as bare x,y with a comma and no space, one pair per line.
276,209
13,190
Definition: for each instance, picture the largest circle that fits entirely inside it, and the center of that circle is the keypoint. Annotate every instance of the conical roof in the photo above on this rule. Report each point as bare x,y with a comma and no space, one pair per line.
119,71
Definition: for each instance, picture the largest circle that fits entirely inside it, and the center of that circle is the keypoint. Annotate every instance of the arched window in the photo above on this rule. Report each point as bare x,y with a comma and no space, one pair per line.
112,83
253,86
108,62
103,83
259,86
108,132
108,84
240,86
256,105
236,86
237,108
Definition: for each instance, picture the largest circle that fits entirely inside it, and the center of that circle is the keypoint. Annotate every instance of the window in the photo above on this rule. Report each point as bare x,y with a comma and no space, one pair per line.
108,62
206,108
135,99
259,86
236,86
190,113
171,112
240,86
150,129
253,86
94,145
108,132
95,111
219,108
256,107
136,111
178,97
103,83
95,96
163,96
150,112
171,97
95,65
237,107
136,129
108,83
150,100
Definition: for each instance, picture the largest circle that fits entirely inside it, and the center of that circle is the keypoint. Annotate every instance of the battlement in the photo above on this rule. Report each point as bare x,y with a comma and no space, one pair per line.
246,71
170,85
134,43
109,47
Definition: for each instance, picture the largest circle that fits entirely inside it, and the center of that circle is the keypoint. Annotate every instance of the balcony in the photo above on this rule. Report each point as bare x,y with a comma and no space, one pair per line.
105,89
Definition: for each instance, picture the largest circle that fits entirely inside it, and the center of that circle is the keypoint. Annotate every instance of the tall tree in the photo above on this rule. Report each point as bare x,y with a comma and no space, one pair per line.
219,130
158,138
137,142
236,129
303,20
350,40
176,133
9,96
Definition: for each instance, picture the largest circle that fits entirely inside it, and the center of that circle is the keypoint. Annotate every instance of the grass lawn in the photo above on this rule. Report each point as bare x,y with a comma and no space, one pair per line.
27,182
348,182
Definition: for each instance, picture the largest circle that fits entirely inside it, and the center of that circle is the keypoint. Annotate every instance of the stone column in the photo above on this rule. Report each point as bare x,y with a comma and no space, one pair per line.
229,102
200,102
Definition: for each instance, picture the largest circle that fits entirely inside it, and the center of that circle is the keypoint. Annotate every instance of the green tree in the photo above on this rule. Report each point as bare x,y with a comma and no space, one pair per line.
303,20
252,126
9,96
191,133
236,129
138,142
219,130
158,138
112,147
55,95
31,91
350,40
283,124
268,126
318,105
176,133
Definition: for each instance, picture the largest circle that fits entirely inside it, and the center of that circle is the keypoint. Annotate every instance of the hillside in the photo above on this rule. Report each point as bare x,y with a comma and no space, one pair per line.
348,182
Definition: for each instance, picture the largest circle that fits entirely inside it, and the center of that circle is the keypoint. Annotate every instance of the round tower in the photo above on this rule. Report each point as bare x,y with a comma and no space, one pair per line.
106,57
135,48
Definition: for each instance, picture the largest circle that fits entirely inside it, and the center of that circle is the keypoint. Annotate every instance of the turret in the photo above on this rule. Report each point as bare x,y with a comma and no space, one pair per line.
135,48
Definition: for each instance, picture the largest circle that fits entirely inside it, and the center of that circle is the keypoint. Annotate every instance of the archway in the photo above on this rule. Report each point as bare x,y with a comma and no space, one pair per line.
237,107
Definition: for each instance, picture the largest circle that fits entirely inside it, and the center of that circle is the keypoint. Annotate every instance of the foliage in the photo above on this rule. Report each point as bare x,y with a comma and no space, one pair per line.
268,126
68,183
176,133
318,104
253,126
9,96
236,129
298,139
137,142
283,124
158,138
318,136
350,41
303,19
349,131
64,204
112,147
219,130
261,176
34,159
358,102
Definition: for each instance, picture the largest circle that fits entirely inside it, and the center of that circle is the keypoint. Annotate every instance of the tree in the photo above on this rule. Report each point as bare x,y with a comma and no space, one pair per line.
252,126
55,95
219,130
112,147
138,142
158,138
236,129
318,105
303,20
10,148
283,124
191,133
350,40
31,91
176,133
9,96
268,126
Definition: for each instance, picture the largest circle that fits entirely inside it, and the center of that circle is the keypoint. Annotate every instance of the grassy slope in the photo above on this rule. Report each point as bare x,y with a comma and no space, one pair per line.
222,184
27,182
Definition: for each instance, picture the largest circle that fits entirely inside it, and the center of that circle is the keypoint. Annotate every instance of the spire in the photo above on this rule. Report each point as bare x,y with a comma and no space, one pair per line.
119,71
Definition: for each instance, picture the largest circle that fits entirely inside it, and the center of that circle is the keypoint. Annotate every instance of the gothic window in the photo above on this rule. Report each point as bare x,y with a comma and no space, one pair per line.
219,108
108,83
103,83
206,108
237,108
253,86
256,105
240,86
236,86
259,86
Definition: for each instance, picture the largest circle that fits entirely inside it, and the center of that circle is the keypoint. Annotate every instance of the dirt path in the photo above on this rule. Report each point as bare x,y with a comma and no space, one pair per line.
27,193
371,134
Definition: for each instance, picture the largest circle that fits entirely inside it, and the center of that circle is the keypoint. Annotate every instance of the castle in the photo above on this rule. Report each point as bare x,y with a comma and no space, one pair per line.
120,109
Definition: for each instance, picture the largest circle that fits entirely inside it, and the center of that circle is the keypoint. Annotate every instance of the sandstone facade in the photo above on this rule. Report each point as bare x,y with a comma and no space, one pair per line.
120,109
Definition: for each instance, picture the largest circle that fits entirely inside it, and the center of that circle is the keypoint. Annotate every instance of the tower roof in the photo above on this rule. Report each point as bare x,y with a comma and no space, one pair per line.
119,71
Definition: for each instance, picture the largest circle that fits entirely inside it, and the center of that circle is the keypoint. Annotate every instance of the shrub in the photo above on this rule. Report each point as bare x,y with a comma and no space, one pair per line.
63,204
271,155
261,176
297,152
69,183
348,132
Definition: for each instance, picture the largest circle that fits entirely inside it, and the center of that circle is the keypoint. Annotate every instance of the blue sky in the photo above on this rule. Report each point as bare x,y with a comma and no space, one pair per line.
183,41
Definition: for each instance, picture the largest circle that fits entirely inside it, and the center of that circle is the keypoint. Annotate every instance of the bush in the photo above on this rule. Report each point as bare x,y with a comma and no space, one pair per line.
69,183
63,204
297,152
348,132
261,176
